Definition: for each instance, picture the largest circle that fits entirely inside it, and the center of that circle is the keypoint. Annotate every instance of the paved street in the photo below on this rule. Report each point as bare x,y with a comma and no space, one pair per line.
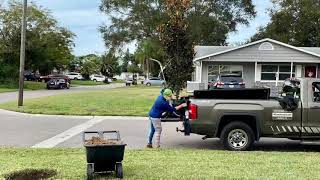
12,96
26,130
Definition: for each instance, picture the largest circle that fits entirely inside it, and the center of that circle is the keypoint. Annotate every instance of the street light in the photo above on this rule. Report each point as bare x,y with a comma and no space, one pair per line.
22,52
161,68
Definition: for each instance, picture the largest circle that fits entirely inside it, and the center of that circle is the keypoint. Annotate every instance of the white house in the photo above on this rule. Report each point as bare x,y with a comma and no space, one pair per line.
264,62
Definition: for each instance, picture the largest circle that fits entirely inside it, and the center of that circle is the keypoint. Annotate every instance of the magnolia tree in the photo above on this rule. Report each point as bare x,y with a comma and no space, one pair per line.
178,46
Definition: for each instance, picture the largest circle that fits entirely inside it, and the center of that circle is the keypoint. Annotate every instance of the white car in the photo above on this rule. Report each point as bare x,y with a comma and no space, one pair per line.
75,76
97,78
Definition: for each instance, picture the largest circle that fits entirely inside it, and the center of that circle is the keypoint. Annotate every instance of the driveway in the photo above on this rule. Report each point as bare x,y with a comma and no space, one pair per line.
12,96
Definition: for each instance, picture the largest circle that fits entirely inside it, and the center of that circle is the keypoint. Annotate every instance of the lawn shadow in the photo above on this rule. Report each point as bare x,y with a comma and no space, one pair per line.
106,175
265,144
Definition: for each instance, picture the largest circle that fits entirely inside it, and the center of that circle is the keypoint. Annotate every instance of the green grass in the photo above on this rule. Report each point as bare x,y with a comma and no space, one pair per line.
28,85
3,90
119,81
171,164
90,83
133,101
86,83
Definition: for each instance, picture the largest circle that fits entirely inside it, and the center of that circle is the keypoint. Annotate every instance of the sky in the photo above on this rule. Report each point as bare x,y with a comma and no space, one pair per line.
245,32
83,18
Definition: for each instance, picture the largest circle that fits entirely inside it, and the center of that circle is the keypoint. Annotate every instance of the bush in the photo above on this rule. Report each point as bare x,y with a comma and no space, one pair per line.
8,73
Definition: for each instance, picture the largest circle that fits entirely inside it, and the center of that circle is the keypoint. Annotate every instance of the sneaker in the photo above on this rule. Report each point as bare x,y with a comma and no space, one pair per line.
149,145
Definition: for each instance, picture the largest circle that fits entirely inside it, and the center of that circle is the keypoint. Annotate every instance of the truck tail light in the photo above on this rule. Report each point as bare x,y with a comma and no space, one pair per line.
193,112
219,84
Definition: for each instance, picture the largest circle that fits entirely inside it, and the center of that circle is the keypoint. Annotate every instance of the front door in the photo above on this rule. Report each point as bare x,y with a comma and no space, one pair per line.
310,71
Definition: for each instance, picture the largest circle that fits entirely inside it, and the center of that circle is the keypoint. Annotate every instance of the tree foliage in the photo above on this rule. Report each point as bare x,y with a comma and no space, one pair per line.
89,64
126,59
110,65
209,21
48,45
177,45
293,22
150,48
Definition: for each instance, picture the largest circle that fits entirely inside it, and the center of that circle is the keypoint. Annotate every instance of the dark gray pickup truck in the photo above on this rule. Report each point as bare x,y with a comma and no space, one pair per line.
239,122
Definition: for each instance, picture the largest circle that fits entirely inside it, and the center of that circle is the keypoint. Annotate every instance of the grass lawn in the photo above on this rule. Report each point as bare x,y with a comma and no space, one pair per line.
2,90
28,85
91,83
171,164
132,101
86,83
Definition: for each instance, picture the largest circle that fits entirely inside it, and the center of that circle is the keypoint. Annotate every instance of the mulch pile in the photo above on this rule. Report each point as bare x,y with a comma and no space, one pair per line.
99,141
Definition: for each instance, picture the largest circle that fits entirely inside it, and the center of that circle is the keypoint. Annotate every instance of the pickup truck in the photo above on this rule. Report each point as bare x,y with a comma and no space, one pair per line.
240,121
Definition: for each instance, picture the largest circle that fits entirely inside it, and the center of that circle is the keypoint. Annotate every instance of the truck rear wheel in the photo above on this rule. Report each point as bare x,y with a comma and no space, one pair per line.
237,136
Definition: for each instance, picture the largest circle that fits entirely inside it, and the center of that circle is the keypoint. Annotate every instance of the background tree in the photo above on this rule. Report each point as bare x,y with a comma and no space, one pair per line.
210,21
48,46
128,57
177,45
293,22
110,65
90,64
150,48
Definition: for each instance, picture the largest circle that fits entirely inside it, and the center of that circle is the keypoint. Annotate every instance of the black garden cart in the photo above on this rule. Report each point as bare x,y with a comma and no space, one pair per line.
104,157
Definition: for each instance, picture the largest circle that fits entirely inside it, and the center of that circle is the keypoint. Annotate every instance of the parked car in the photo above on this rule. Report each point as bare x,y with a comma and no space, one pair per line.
58,83
107,80
75,76
97,78
225,81
154,82
52,76
29,76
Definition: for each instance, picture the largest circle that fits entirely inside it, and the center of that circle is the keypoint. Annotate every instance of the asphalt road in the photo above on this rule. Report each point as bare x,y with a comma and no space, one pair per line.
12,96
25,130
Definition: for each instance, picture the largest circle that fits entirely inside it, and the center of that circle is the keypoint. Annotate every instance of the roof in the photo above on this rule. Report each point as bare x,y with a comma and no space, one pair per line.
203,52
207,50
315,50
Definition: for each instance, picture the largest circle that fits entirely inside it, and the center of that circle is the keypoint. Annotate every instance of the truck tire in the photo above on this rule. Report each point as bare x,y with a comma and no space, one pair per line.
237,136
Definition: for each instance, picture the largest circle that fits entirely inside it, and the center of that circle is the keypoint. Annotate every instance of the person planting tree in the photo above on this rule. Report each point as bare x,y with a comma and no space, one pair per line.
160,106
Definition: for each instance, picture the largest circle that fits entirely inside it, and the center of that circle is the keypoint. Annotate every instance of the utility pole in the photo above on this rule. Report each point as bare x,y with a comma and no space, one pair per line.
22,52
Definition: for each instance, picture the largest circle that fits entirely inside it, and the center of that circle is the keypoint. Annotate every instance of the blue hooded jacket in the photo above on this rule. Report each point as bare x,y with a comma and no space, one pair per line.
160,106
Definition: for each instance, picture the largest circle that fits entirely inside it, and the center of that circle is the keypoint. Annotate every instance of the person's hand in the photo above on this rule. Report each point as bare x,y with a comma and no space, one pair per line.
184,105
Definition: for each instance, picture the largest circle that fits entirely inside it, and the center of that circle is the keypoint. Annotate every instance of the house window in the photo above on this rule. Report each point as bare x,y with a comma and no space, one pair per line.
276,72
215,70
266,47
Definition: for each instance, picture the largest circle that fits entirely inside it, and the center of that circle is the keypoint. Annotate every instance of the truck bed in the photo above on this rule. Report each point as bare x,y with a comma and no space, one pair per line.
246,93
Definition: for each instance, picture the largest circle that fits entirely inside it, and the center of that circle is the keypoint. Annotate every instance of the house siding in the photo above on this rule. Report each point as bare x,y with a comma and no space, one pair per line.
279,54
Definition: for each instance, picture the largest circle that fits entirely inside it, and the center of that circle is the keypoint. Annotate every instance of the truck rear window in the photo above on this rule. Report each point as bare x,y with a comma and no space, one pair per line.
230,79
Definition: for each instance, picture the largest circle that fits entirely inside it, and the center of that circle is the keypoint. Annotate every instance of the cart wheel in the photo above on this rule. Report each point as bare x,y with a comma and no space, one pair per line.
90,170
119,172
